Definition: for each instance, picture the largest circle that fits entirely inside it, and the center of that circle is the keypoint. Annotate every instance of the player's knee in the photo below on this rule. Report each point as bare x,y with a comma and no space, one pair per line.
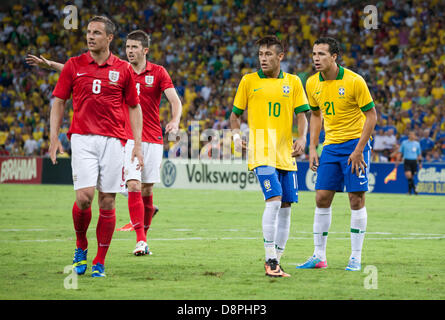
106,201
84,200
357,200
147,189
322,201
133,185
83,203
285,204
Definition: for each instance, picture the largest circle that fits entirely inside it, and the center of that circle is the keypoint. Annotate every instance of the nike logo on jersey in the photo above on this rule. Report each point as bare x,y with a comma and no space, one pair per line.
80,74
317,92
255,90
361,183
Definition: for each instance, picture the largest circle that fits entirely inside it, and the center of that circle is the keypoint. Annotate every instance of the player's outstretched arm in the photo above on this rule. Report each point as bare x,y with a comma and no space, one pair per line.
356,158
235,125
315,128
43,63
173,98
56,117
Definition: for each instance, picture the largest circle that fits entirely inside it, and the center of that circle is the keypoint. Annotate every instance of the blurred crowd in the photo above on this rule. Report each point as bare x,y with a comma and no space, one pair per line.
208,45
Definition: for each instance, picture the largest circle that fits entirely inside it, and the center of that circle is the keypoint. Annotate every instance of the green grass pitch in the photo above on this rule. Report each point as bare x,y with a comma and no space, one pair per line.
208,246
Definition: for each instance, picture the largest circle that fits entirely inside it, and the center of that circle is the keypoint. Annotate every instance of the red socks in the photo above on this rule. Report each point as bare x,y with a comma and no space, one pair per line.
136,208
148,212
104,233
81,219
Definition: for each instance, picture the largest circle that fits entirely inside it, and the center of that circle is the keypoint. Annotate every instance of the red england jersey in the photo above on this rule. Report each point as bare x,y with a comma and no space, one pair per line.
150,84
100,94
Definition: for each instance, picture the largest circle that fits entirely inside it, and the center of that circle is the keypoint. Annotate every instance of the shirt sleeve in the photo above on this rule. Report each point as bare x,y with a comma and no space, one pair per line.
166,82
301,103
130,92
362,95
240,102
64,85
313,104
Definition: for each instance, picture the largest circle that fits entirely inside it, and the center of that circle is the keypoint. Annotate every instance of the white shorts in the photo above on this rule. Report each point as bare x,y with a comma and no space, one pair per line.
97,161
151,172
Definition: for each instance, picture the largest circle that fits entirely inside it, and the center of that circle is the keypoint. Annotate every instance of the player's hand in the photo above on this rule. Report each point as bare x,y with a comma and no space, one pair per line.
357,162
38,62
55,146
240,144
298,147
137,153
313,159
172,126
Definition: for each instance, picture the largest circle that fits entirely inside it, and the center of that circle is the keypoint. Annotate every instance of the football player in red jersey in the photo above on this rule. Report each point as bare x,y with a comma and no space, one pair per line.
151,81
98,82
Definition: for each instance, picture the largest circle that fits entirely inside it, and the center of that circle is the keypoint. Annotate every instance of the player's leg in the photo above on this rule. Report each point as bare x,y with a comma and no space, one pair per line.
132,181
81,219
329,180
104,231
283,227
149,208
359,219
289,185
408,175
356,186
271,187
111,162
322,221
151,174
85,171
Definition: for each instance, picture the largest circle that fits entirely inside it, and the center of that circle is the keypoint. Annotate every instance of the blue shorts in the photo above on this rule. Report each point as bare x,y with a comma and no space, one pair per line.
334,173
276,182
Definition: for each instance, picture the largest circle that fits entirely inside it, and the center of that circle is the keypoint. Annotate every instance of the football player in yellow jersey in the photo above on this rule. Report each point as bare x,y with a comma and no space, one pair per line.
272,98
341,99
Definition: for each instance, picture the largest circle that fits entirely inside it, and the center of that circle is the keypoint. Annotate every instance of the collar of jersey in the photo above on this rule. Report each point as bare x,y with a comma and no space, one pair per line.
263,76
340,74
148,67
109,61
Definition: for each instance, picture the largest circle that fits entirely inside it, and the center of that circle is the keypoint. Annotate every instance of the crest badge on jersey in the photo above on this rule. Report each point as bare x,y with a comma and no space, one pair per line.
286,89
149,79
113,76
341,91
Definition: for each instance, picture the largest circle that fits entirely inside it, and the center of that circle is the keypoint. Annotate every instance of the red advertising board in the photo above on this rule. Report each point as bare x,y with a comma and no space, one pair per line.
21,170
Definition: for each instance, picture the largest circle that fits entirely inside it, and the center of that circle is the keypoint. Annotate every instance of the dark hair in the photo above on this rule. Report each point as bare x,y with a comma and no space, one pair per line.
141,36
334,46
271,41
110,28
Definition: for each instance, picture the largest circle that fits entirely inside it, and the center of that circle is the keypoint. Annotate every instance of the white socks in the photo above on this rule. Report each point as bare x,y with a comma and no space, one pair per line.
269,222
322,222
276,224
359,219
282,231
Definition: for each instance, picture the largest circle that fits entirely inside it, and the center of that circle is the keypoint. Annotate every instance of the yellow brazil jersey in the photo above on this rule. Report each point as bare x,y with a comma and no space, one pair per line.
271,104
342,102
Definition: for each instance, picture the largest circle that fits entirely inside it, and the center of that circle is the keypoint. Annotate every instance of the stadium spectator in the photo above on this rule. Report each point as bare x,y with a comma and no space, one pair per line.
426,143
31,147
410,38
